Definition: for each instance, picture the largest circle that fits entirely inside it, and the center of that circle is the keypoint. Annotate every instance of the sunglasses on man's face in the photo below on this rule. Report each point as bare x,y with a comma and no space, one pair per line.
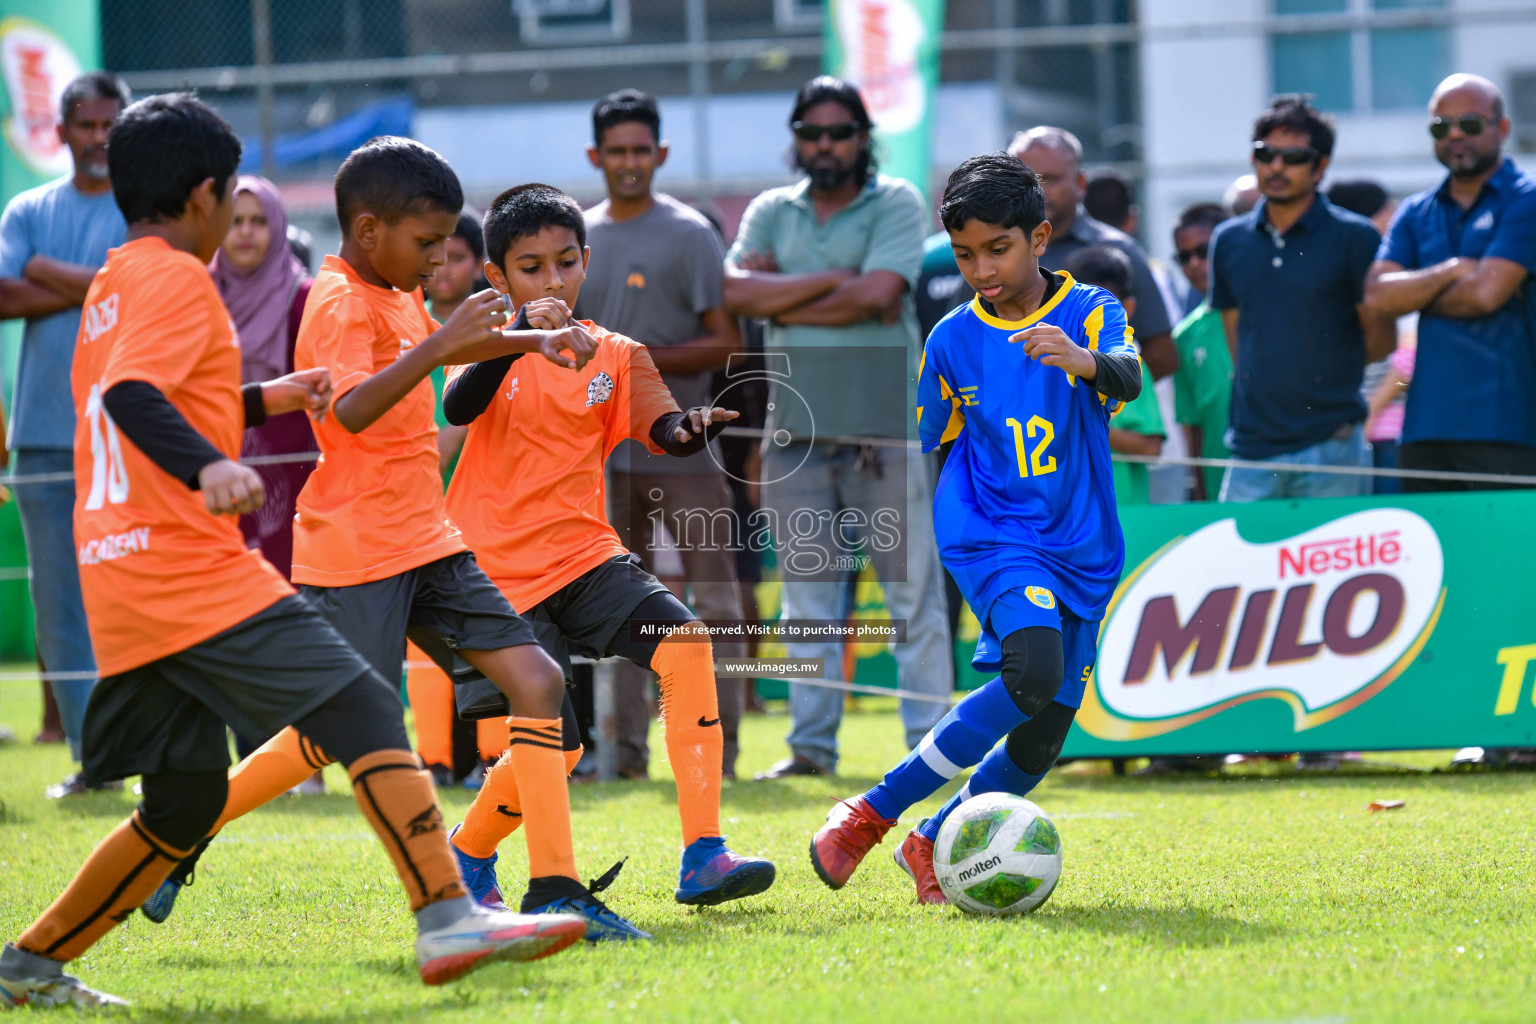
1470,124
807,132
1199,252
1291,156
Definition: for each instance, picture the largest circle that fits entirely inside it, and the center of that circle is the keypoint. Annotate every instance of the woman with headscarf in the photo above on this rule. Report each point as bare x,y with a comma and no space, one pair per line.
265,286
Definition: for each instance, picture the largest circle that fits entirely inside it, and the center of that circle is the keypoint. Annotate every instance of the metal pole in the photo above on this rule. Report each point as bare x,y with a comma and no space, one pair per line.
261,34
698,91
605,725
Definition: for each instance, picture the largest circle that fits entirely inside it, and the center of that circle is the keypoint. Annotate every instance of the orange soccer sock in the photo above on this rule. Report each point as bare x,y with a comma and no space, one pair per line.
431,694
274,768
491,737
538,762
399,801
690,714
120,874
498,809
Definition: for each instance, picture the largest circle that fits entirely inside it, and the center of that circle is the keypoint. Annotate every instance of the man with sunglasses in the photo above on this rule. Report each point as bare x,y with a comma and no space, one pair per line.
1288,279
1462,254
831,263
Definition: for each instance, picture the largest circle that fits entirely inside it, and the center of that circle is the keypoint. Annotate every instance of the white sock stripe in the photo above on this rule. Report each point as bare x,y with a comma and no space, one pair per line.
934,758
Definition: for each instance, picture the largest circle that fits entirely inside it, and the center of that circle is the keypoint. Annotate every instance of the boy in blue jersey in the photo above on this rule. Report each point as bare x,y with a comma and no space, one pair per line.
1023,380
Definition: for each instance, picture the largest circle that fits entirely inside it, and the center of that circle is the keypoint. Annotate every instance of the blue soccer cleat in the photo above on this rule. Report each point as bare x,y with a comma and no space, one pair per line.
479,875
603,925
712,873
162,901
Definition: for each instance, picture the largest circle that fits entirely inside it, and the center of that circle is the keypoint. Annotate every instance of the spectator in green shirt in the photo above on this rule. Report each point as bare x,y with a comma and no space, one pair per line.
1137,429
1202,385
456,280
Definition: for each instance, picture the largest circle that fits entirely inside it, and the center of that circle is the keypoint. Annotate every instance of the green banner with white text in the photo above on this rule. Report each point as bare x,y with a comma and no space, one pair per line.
1406,622
44,44
889,49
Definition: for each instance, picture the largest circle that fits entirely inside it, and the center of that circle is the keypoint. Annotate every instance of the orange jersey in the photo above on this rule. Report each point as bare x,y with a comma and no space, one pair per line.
528,491
158,572
373,507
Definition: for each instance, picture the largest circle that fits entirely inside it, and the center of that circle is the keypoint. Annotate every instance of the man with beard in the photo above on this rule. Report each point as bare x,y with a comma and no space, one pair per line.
52,240
831,263
1461,255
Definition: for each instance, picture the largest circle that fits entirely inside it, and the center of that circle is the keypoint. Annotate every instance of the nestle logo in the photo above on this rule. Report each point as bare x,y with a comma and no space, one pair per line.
986,865
1341,554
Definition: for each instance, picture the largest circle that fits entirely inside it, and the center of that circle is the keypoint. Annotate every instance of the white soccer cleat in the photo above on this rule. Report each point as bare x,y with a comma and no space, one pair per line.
484,936
63,990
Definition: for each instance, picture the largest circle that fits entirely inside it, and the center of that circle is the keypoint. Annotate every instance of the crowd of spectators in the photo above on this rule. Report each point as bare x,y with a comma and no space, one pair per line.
1286,332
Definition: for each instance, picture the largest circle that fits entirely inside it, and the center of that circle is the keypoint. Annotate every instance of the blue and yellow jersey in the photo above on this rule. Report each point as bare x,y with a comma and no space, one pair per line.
1027,495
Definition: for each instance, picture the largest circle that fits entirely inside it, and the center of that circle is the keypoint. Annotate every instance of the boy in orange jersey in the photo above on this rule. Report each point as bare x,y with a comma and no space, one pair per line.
192,630
528,494
374,550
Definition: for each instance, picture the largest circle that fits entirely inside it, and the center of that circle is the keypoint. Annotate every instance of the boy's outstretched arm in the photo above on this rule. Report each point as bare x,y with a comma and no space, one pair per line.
690,431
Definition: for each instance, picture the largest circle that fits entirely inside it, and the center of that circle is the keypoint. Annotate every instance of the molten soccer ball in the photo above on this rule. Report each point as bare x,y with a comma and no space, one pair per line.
997,854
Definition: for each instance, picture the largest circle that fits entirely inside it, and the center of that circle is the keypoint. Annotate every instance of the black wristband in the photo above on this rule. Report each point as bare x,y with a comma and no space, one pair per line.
255,408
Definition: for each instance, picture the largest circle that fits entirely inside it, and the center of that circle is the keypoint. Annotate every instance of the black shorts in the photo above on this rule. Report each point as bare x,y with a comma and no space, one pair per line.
586,616
257,677
444,606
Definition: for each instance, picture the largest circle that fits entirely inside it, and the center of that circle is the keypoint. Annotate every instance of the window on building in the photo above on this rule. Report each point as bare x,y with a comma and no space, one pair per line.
1361,69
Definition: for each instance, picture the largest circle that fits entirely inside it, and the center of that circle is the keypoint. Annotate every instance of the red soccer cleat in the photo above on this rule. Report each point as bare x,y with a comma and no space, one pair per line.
851,831
915,856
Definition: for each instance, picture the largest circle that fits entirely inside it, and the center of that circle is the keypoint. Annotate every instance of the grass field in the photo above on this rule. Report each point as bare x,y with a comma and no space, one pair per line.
1266,897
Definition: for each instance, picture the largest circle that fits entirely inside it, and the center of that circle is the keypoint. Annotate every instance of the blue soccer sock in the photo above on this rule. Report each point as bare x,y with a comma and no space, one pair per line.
961,739
997,774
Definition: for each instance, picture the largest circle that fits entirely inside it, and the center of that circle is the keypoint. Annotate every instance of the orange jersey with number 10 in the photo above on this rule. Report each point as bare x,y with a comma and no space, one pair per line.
158,572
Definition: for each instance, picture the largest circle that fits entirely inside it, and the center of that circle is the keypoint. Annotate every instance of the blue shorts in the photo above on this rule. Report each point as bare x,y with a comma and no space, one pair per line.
1038,606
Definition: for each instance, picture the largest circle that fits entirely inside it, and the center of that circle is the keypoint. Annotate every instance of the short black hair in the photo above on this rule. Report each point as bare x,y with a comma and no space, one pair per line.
469,230
525,211
163,147
1359,195
994,188
1200,215
1103,266
93,85
1292,111
393,177
623,106
1108,198
826,89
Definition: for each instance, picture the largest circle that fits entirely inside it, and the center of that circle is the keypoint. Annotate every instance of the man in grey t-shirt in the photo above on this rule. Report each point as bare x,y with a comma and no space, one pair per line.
655,276
52,240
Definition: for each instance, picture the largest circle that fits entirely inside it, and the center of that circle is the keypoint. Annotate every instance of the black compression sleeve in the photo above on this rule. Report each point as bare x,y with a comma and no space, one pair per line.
470,393
1119,375
255,408
148,419
661,433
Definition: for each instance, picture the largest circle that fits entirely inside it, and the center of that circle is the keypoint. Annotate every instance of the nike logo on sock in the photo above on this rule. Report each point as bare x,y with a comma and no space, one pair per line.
706,723
509,812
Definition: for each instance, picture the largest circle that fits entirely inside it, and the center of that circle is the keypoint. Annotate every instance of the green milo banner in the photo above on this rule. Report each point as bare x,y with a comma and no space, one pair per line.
44,44
890,50
1337,624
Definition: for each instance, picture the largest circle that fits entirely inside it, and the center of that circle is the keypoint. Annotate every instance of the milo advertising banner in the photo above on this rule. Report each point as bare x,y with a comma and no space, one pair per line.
889,49
1342,624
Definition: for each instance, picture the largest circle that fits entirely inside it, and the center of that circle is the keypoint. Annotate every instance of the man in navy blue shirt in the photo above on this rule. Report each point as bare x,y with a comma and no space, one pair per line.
1288,278
1461,255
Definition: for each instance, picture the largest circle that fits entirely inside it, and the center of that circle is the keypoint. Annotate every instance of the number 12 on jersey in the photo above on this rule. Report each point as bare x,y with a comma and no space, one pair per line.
1035,462
109,481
